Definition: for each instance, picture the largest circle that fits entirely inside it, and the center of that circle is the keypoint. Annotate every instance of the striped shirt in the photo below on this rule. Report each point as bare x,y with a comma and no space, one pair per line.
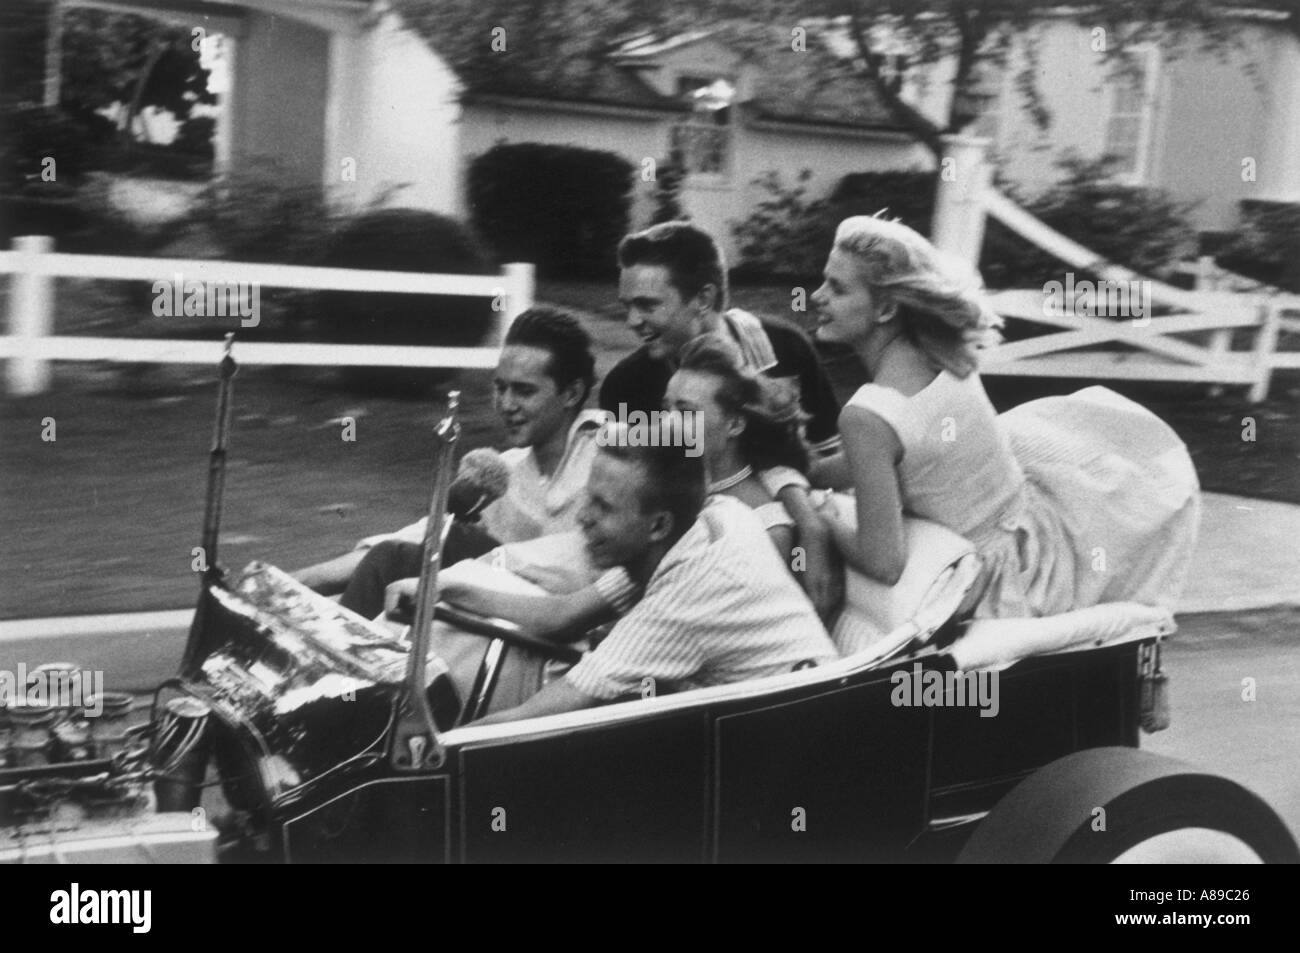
720,607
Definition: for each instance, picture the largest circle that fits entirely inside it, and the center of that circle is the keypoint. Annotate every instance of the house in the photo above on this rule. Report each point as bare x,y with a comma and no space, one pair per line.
1214,128
350,93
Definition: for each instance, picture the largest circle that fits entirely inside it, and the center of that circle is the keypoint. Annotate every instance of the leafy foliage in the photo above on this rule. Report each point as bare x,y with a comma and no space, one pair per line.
261,213
1267,247
113,58
23,25
788,234
670,175
34,133
882,45
521,45
1140,227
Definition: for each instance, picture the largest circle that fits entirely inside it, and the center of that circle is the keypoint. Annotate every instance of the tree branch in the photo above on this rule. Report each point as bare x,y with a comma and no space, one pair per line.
902,111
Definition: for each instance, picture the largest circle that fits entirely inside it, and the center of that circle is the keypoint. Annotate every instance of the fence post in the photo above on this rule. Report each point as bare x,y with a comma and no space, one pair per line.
1265,345
31,316
520,288
1206,276
958,224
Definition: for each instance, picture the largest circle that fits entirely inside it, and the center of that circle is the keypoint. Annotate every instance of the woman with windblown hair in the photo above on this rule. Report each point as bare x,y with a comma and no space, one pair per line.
1069,501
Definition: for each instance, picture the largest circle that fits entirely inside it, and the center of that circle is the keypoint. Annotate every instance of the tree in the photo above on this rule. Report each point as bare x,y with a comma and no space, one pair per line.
887,43
111,58
23,30
878,45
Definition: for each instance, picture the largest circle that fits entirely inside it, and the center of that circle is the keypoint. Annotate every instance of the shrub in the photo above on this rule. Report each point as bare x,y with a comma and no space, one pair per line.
561,207
33,133
670,176
401,240
261,213
1142,228
904,194
196,136
1267,247
80,218
787,236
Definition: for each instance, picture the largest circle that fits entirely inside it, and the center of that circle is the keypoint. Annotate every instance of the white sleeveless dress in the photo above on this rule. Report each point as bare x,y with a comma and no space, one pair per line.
1069,501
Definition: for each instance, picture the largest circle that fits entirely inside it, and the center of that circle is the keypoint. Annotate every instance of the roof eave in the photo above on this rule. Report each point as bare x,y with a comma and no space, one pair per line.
588,107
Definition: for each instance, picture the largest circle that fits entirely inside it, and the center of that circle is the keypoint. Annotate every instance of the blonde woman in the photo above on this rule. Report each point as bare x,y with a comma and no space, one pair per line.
1069,501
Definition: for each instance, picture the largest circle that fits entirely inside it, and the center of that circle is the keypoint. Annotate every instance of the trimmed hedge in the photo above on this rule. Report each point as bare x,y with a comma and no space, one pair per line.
561,207
907,195
401,240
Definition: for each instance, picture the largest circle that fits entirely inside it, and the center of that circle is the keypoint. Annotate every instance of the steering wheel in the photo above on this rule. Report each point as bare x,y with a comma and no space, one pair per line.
502,634
493,628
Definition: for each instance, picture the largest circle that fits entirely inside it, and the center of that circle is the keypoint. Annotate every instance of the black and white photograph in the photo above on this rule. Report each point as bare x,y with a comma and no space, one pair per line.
651,432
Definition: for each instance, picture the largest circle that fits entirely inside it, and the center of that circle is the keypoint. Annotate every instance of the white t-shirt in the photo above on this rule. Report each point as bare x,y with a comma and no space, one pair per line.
533,505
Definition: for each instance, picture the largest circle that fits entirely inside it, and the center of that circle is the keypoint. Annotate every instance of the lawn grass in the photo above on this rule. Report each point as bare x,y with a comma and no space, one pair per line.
104,518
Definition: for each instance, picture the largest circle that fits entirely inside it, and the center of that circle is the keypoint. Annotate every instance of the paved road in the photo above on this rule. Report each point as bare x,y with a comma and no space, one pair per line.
1255,742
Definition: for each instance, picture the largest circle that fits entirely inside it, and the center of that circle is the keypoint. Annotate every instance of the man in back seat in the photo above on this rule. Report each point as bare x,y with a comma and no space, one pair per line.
719,605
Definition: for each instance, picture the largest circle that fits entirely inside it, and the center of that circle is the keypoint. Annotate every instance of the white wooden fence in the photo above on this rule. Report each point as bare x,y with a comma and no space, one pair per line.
29,343
1151,348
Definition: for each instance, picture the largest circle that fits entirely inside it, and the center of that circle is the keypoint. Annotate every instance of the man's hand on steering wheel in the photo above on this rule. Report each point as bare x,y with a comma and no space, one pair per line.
399,599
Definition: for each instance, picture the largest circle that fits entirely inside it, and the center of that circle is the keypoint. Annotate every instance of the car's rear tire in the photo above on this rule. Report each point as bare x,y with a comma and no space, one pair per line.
1122,805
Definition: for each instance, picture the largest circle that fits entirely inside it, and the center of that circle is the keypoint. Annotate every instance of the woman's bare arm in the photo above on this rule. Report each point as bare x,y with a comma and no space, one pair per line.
832,471
875,547
817,567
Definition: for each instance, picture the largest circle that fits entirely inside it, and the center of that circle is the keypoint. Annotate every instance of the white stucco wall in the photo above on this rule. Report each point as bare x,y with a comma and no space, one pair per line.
278,107
1207,115
395,113
1219,116
359,106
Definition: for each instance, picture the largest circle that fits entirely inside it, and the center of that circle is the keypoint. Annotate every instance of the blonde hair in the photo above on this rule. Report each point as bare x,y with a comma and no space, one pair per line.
940,299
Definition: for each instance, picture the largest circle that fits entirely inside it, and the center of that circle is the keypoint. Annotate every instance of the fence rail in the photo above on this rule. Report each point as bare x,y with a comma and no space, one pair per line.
29,344
1147,349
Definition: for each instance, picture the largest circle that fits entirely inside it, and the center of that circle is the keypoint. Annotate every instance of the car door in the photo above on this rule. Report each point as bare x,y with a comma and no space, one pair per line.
618,791
830,773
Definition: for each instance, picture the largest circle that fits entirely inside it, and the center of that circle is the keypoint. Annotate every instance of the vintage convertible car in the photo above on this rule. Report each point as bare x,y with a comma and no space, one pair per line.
333,740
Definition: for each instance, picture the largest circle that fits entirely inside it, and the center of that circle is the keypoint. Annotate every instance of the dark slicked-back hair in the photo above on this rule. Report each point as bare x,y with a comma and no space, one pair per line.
690,254
674,481
561,334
